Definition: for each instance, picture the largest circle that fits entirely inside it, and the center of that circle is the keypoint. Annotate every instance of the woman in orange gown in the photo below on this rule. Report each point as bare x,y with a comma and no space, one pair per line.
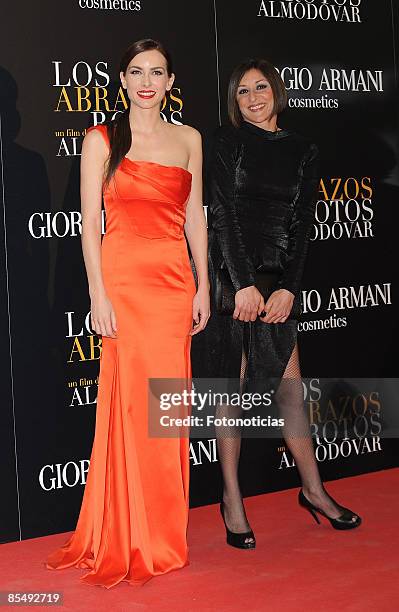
145,304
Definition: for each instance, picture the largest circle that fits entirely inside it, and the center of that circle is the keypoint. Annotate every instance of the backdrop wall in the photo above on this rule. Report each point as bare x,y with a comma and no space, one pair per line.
58,75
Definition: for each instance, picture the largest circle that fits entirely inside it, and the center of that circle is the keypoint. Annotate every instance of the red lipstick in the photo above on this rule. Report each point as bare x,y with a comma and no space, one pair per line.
146,94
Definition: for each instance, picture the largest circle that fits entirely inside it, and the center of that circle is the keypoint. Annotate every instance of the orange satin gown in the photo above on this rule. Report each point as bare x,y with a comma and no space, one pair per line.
133,519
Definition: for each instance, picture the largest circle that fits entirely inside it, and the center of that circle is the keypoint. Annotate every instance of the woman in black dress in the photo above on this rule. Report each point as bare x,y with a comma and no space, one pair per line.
262,187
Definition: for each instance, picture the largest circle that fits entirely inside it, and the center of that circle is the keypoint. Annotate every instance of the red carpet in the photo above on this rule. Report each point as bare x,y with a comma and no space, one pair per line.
297,564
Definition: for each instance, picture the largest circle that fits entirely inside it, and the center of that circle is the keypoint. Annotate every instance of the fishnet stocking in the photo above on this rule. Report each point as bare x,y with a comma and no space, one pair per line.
229,446
298,439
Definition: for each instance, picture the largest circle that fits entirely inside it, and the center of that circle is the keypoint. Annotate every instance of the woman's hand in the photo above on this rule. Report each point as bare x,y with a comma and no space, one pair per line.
278,306
103,320
249,304
201,310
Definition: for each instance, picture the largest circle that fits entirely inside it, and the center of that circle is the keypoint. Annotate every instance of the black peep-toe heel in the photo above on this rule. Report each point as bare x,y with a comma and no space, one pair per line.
237,539
345,521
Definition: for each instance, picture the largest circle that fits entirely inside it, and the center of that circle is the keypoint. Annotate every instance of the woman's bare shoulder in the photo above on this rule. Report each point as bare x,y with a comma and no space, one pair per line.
187,133
96,140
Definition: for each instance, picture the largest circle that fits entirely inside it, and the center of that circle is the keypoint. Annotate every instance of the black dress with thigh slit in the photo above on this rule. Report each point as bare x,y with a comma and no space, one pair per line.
261,190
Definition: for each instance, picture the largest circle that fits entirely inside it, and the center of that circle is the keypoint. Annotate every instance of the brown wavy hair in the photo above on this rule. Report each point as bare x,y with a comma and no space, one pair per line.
270,73
119,132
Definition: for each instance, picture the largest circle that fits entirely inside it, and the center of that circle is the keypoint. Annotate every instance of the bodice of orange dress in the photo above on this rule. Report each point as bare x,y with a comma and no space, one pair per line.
133,519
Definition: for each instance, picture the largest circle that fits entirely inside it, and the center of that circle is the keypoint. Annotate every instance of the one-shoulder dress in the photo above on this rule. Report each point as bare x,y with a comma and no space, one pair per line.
133,519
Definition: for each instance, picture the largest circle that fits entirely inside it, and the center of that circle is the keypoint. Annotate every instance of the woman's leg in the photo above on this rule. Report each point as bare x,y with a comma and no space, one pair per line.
229,446
296,433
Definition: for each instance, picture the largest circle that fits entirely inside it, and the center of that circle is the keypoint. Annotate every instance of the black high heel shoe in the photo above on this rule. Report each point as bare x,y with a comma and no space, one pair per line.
237,539
345,521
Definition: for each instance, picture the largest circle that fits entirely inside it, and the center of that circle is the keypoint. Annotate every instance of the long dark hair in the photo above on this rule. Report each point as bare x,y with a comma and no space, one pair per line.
119,133
270,73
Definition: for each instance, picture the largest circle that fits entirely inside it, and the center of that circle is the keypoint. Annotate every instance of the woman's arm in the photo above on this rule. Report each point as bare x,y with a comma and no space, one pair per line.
196,232
301,223
94,156
223,213
224,221
279,304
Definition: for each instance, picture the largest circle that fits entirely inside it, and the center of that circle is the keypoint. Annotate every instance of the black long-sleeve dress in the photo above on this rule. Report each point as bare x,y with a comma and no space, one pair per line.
261,196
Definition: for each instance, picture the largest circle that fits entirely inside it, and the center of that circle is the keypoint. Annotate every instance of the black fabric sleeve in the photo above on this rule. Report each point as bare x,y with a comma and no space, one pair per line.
222,207
301,223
